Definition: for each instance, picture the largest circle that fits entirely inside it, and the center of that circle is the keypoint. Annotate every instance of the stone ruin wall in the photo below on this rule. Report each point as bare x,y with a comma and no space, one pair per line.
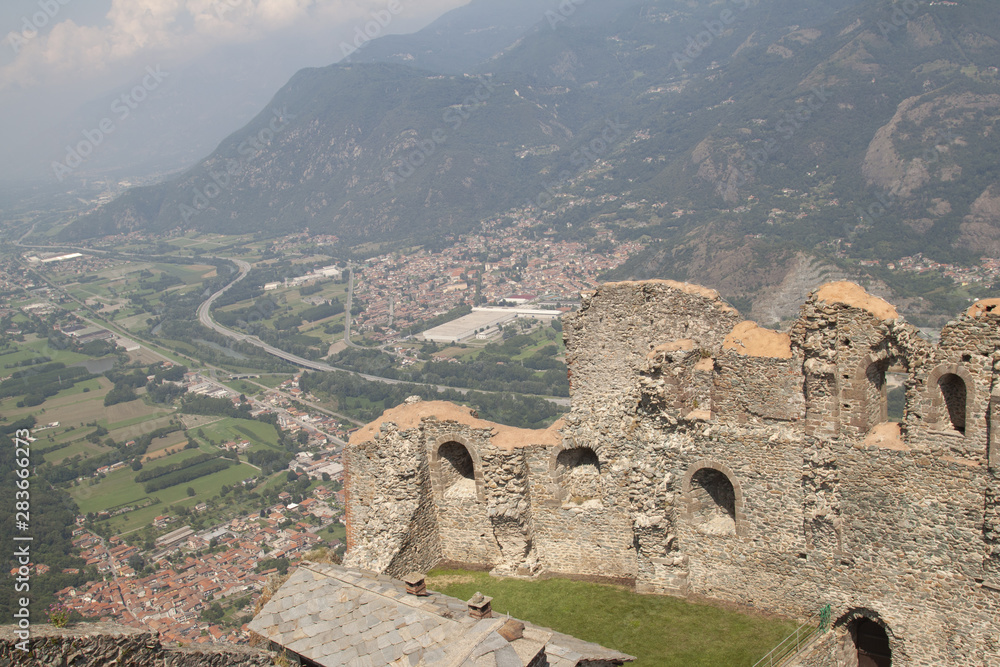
107,644
706,456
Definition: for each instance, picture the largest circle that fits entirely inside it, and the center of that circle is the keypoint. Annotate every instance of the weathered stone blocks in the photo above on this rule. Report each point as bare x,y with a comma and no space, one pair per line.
705,455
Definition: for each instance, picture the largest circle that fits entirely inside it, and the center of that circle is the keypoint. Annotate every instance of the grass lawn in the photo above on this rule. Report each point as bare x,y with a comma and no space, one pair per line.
659,630
272,380
334,531
244,387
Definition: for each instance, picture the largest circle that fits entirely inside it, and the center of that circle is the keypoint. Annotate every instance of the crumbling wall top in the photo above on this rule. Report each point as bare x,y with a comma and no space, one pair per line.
751,340
984,307
410,414
687,288
683,345
851,294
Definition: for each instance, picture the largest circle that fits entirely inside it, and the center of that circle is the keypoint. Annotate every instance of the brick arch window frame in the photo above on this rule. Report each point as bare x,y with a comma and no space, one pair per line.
939,417
739,511
861,379
437,481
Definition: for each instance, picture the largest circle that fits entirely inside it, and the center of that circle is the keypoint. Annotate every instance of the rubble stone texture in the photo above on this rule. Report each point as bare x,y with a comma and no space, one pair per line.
706,456
105,644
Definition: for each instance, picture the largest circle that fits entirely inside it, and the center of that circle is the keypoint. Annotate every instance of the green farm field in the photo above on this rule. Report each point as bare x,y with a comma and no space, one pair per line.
120,488
70,407
230,429
32,348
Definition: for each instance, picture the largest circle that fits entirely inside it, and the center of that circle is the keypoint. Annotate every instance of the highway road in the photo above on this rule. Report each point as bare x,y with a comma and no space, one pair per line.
205,317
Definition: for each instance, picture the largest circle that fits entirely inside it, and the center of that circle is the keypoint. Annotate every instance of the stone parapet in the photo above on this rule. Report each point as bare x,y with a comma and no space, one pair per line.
104,644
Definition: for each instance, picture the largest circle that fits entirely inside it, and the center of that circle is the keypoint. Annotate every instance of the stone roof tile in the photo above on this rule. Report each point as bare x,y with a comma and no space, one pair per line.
335,616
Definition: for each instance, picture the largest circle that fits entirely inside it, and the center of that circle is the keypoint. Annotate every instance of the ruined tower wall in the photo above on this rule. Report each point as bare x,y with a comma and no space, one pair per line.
762,388
703,455
607,344
466,531
391,512
577,529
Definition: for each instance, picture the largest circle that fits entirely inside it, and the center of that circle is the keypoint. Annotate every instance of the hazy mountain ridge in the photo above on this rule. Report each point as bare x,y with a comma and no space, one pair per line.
880,116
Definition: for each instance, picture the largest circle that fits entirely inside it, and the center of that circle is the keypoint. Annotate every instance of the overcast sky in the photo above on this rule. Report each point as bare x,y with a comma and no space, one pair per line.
58,56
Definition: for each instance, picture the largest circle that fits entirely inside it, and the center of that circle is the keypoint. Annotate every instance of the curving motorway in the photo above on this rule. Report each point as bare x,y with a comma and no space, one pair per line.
205,317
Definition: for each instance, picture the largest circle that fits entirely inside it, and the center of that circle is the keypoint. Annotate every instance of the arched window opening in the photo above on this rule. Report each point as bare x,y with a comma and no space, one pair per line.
954,392
895,384
458,477
872,643
876,394
580,471
713,503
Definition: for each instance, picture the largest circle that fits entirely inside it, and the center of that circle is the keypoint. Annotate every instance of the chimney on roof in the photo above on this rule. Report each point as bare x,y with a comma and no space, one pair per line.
415,584
479,606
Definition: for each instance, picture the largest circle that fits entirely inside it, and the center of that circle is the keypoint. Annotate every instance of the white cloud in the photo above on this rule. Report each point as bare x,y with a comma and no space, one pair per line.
177,31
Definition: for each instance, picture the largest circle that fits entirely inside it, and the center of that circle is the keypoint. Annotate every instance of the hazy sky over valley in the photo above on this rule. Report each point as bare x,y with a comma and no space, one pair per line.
63,63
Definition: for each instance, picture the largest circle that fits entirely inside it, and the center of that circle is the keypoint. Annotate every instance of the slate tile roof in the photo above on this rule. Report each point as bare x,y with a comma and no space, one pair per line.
334,616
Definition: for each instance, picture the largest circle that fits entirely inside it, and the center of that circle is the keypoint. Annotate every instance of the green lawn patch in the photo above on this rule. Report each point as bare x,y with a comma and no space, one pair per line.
659,630
230,429
335,530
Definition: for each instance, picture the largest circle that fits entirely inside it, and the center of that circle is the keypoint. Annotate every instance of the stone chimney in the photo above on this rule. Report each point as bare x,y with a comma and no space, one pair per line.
415,584
479,606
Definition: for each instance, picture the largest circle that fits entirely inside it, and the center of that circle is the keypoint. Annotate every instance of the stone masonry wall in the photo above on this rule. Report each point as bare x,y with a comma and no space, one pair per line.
467,534
748,388
704,455
391,508
104,644
576,528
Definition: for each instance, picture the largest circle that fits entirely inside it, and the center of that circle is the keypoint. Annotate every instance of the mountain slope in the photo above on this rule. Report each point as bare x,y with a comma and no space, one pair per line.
364,151
734,136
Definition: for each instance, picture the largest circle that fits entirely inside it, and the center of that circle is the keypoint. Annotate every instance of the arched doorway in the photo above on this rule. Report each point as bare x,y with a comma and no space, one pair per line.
457,470
871,642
